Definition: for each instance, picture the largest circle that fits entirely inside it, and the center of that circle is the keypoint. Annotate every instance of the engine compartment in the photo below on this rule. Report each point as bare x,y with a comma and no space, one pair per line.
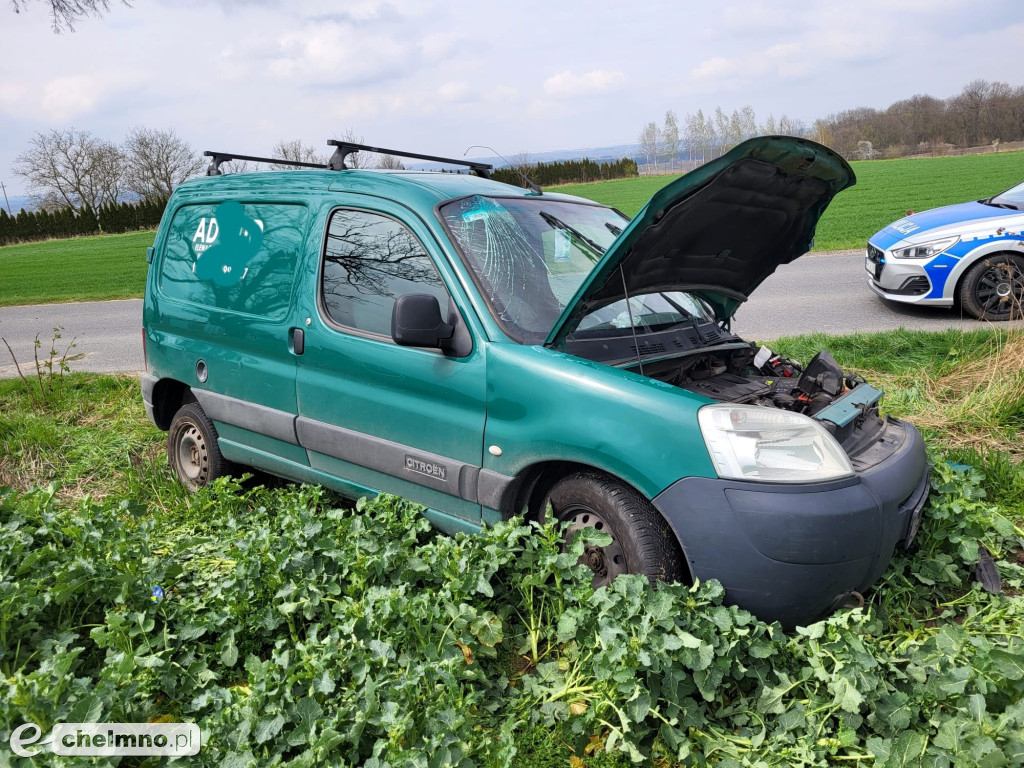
842,402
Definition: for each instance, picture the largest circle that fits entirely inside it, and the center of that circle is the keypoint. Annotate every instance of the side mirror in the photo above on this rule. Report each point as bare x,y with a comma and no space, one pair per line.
416,322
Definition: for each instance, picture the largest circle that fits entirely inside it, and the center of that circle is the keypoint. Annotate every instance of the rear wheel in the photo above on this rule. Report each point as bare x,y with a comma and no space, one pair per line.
642,541
993,289
192,448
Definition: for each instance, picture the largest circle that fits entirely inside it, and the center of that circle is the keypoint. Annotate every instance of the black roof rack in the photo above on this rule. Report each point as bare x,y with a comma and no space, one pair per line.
337,161
223,157
346,148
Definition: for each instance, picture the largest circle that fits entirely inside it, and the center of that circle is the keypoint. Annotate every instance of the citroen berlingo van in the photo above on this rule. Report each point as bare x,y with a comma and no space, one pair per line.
490,351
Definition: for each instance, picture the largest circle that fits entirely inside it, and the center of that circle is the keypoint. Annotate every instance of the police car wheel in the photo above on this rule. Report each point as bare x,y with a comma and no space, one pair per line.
642,541
993,289
192,448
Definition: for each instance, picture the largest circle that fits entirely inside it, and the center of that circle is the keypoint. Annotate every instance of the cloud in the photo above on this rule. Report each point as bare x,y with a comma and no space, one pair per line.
568,84
454,91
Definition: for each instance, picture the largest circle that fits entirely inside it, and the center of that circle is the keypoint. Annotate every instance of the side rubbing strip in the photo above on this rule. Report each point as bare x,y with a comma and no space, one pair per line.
256,418
491,487
456,478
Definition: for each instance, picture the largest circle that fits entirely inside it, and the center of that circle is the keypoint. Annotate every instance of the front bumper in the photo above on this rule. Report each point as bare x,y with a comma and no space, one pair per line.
904,280
793,553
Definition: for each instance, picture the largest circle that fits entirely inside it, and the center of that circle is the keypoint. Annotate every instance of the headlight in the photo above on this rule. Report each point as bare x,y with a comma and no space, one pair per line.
926,250
749,442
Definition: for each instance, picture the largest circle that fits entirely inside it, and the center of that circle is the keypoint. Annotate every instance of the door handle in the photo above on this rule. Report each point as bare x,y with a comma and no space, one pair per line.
297,342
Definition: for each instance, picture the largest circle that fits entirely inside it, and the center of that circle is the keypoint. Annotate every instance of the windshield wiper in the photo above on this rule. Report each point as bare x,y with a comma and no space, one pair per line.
692,318
559,224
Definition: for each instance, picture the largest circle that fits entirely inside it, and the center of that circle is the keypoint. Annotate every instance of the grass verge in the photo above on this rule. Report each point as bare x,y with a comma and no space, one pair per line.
296,632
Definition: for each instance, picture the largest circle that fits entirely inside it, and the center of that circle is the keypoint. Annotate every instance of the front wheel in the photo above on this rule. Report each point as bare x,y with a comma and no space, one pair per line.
192,448
993,289
642,541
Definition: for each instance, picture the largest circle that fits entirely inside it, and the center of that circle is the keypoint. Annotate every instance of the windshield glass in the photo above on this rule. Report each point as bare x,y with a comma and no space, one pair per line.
649,312
1012,198
529,255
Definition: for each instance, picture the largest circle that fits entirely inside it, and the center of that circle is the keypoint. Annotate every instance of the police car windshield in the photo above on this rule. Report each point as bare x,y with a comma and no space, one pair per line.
1012,198
529,255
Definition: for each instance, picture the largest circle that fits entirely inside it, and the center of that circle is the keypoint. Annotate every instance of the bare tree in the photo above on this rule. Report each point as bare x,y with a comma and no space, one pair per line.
721,130
72,168
649,138
64,13
390,163
522,164
670,137
297,152
357,159
792,126
158,161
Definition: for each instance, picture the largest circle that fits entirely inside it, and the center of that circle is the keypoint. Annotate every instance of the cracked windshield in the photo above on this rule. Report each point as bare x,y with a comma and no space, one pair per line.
530,255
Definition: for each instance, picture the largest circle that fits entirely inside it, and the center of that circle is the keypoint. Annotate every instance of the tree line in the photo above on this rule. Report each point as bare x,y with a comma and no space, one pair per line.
983,113
108,219
564,171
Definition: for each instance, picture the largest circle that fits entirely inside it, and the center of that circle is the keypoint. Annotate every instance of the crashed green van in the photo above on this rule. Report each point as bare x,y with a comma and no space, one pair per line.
489,351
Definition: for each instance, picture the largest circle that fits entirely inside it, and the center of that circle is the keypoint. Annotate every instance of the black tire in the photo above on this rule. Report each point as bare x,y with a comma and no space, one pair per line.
642,541
993,289
192,448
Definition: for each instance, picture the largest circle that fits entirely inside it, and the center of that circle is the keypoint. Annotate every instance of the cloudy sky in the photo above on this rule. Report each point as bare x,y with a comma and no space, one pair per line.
437,77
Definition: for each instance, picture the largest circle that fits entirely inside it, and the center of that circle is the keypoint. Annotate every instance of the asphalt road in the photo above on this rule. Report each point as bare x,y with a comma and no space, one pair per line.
823,292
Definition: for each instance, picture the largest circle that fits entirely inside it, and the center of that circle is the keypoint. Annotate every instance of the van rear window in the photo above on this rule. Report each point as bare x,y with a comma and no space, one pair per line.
234,256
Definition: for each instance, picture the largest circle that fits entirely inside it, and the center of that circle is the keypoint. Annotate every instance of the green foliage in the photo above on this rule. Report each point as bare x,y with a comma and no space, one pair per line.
46,387
67,222
569,172
885,191
295,632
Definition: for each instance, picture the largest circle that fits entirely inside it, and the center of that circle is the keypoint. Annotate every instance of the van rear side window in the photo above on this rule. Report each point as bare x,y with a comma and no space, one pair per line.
234,256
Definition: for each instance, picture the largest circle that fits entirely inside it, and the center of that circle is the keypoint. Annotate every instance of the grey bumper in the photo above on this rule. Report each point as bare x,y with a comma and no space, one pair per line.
793,553
148,383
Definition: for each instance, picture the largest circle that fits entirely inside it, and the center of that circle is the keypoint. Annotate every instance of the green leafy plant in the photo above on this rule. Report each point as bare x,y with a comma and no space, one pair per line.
295,631
49,372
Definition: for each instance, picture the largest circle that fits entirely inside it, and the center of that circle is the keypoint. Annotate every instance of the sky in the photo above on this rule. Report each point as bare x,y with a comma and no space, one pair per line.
439,77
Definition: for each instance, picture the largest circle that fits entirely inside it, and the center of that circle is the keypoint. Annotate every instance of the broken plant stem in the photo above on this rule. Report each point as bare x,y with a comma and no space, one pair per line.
28,387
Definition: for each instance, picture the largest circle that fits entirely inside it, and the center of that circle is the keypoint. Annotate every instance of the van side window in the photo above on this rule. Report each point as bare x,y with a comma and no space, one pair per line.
369,261
234,256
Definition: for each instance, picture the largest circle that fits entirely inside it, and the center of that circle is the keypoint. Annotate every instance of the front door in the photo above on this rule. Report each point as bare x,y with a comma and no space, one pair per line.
397,419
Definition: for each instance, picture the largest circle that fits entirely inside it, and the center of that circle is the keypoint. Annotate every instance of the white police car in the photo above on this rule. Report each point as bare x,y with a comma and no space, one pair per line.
971,252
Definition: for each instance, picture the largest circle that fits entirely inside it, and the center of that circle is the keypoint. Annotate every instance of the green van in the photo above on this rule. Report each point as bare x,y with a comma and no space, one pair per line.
489,351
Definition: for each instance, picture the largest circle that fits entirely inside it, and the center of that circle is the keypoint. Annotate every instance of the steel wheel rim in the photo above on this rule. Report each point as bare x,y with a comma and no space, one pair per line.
193,454
1000,288
604,562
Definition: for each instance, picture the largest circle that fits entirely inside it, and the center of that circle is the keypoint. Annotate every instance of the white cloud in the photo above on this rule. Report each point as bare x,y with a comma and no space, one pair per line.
568,84
454,91
67,97
337,53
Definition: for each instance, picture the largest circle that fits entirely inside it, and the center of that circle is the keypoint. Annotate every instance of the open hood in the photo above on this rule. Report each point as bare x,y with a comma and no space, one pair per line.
718,231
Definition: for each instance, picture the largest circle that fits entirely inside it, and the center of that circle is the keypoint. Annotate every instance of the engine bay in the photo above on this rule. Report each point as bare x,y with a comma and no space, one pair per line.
843,403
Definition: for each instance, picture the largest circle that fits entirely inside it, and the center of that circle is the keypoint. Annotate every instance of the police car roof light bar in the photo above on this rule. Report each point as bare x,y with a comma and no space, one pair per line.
346,148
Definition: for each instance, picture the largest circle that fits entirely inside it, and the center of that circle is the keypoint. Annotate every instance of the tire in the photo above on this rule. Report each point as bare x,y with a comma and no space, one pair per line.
993,289
642,541
192,448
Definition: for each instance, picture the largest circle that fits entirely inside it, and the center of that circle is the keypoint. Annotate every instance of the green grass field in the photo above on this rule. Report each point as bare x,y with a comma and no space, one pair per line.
78,269
114,266
885,191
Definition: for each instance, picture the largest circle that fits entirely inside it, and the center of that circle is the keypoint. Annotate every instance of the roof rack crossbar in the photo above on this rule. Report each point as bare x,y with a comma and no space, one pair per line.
346,148
223,157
